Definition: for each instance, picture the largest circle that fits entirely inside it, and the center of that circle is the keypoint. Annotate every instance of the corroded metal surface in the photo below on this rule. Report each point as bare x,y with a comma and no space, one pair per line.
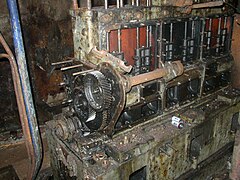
165,151
21,106
134,46
235,174
236,53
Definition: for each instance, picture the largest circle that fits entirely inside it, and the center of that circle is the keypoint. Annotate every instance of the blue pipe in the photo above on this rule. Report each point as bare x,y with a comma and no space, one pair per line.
25,84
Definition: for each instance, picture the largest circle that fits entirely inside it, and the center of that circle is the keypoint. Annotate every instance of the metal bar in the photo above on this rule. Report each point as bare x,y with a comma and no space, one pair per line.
121,3
193,29
143,78
20,103
137,2
108,43
89,4
235,174
160,45
137,37
71,67
207,4
106,4
148,3
26,89
82,72
133,2
171,33
156,74
147,36
219,35
118,4
224,35
61,62
202,40
119,40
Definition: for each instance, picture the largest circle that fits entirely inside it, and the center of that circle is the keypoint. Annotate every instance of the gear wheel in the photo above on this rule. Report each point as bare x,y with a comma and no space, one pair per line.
91,119
80,104
97,90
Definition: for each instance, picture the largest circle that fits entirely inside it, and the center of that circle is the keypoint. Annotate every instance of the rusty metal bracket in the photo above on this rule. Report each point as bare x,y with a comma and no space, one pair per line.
21,106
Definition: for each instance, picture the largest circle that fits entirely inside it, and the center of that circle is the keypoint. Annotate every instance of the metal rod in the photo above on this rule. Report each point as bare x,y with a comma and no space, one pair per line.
193,29
89,4
150,36
202,40
225,31
108,43
26,88
156,74
207,4
137,37
185,30
121,3
82,72
118,4
219,35
106,4
147,36
148,3
171,33
20,103
119,40
61,62
137,2
160,45
133,2
71,67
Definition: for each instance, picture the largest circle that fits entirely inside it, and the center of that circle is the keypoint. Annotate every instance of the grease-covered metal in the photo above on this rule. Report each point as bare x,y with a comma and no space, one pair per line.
157,59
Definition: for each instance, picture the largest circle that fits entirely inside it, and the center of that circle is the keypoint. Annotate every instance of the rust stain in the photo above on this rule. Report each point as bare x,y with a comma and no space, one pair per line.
47,85
236,53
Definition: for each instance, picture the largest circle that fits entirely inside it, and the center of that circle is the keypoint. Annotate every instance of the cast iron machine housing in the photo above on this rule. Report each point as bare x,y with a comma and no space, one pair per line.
137,65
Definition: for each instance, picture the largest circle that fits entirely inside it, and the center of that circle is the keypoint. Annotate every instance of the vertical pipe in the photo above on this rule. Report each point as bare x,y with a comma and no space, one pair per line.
150,36
224,31
147,36
171,33
133,2
25,84
118,3
121,3
119,40
108,43
138,43
137,2
89,4
106,4
202,39
219,35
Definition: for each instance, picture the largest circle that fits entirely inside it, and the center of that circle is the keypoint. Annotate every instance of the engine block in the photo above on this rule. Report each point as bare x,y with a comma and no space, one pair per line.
148,91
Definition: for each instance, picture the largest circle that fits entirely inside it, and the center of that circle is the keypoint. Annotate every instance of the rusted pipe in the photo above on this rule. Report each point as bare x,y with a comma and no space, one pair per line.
143,78
20,103
25,86
169,71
